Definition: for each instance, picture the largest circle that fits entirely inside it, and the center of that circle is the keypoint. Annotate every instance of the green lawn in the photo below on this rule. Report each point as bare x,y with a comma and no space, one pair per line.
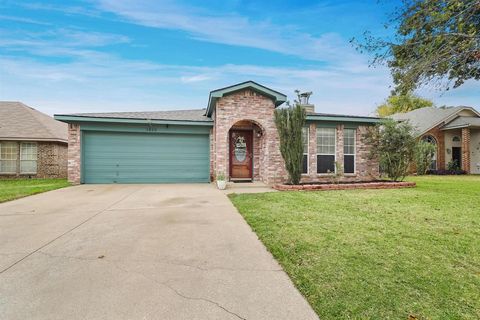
14,189
378,254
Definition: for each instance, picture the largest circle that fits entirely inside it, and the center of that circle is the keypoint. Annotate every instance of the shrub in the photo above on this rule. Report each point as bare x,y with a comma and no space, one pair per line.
289,122
443,172
393,144
424,152
453,168
453,165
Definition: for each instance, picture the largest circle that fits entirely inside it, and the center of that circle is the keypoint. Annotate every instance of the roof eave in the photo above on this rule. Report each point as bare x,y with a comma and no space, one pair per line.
33,139
455,127
75,119
344,119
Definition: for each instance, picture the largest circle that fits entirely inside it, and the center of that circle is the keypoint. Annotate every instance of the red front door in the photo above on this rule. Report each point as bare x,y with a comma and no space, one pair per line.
241,155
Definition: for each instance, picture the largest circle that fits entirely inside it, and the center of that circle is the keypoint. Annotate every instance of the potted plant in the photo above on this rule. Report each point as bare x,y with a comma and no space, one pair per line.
221,182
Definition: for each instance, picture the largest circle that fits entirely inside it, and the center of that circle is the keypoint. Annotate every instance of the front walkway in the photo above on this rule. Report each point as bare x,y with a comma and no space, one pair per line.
247,187
137,252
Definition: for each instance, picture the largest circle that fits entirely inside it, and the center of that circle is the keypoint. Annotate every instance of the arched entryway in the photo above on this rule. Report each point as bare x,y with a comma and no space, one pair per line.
245,150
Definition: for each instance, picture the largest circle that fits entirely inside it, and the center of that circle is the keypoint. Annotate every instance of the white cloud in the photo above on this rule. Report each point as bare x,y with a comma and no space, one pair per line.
24,20
105,83
195,78
58,38
90,80
65,9
233,29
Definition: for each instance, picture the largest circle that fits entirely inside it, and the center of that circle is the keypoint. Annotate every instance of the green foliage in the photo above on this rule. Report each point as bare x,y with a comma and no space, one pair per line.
18,188
453,165
435,40
289,122
393,144
220,176
401,104
424,152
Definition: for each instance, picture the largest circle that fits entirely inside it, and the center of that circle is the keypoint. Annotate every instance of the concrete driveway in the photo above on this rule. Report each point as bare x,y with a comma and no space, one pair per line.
137,252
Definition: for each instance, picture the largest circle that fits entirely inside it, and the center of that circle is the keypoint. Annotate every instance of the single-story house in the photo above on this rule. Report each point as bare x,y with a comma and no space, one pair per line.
454,130
32,144
235,136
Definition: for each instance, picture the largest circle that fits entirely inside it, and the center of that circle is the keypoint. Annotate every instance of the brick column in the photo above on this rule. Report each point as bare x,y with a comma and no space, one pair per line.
74,153
466,149
212,154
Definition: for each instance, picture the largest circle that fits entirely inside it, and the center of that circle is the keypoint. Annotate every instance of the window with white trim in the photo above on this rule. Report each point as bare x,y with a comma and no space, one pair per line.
349,150
8,157
305,139
28,157
326,146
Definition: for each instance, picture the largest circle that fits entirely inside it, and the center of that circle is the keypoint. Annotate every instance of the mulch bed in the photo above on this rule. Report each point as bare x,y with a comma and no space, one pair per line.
346,186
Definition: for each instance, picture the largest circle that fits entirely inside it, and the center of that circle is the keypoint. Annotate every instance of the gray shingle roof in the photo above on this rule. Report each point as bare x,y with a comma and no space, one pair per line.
19,121
176,115
463,122
425,118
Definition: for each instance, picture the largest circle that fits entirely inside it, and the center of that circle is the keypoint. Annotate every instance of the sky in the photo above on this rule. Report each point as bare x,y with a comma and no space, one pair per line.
137,55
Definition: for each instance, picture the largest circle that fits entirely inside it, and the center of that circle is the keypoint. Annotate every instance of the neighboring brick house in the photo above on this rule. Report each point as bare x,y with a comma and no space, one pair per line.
454,130
32,144
235,136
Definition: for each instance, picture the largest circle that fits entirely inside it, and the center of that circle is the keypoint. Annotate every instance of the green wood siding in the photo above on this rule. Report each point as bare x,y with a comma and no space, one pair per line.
128,157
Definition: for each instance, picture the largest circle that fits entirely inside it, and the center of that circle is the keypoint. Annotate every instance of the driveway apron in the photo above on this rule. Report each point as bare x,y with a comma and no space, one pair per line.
138,252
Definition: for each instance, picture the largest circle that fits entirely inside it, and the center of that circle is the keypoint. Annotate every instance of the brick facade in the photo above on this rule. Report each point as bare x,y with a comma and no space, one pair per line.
74,153
444,149
466,149
238,107
248,109
51,161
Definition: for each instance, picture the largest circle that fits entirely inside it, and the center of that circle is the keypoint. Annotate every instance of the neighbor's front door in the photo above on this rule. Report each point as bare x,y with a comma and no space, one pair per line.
241,154
457,155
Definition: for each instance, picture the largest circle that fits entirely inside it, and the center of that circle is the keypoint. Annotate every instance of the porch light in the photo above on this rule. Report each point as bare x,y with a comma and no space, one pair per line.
259,133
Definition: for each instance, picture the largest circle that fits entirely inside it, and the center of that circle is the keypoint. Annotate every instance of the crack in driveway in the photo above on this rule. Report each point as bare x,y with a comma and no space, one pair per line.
201,299
177,292
164,283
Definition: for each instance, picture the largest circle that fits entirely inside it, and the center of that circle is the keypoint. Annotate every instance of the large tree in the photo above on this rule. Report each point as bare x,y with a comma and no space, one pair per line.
401,104
435,41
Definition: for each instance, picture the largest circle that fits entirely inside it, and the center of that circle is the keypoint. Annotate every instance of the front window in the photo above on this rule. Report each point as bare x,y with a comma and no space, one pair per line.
432,140
305,138
326,141
28,157
349,150
8,157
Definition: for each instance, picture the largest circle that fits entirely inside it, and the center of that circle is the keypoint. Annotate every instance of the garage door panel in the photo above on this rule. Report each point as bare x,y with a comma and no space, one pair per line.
145,158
